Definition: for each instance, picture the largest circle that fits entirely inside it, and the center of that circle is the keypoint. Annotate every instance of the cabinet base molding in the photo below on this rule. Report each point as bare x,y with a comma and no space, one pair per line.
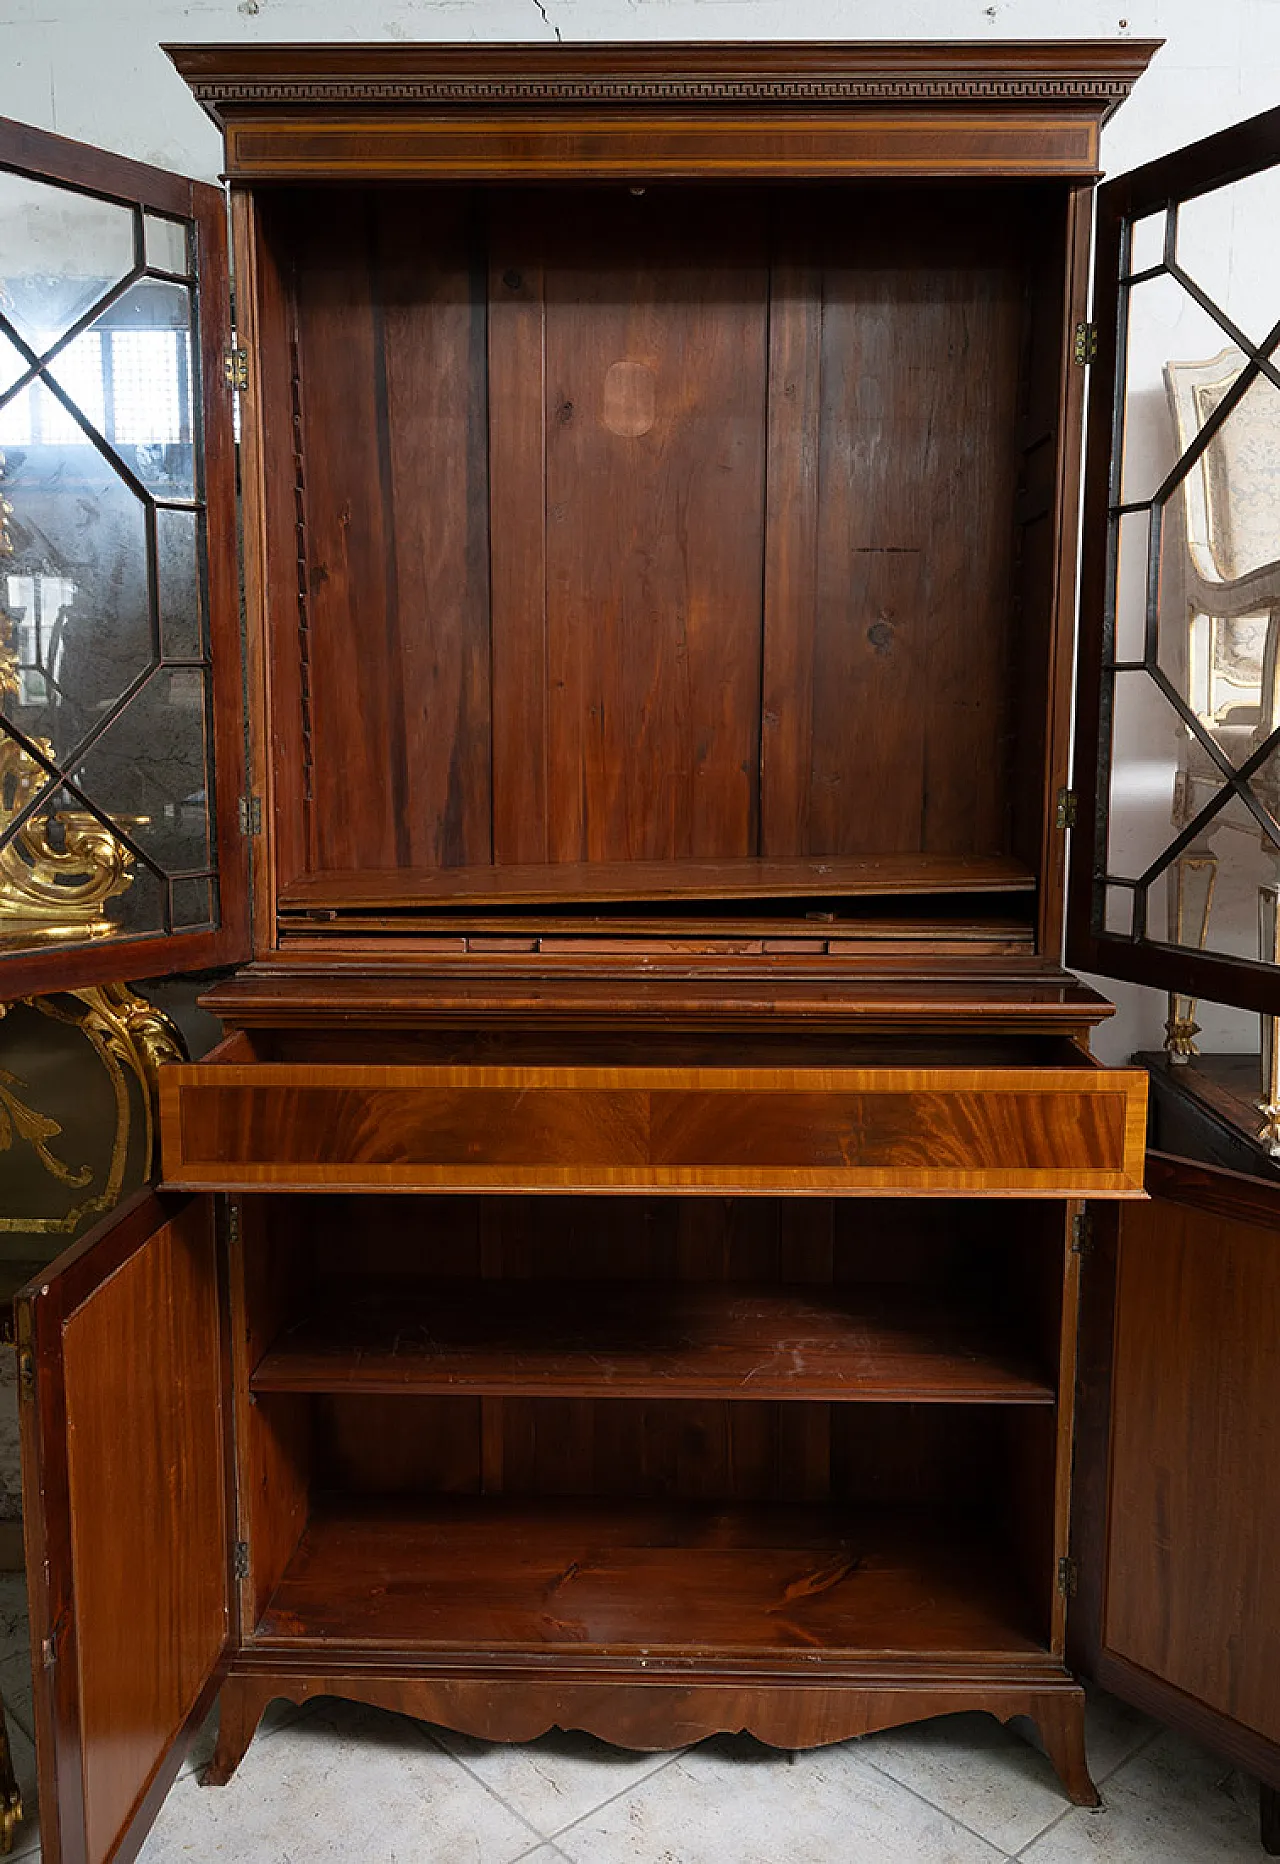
663,1714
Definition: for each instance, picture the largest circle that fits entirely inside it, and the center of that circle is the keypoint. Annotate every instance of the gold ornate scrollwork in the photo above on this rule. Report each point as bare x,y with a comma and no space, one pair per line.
10,1793
60,869
49,893
131,1038
6,512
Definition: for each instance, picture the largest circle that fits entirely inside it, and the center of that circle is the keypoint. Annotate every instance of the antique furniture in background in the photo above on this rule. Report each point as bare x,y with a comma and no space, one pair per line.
621,1269
1228,522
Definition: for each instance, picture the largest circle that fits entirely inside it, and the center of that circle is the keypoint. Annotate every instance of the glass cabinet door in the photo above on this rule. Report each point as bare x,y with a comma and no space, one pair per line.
121,742
1176,862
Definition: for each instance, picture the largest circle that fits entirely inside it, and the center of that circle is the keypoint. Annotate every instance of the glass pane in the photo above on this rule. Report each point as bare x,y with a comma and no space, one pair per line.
1134,534
149,770
1164,322
1147,740
1232,862
103,576
1220,558
64,878
75,587
166,242
1226,240
1146,247
1120,911
134,367
59,252
179,566
192,904
12,362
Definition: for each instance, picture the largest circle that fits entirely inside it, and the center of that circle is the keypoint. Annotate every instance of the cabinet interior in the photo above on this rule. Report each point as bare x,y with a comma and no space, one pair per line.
677,554
802,1390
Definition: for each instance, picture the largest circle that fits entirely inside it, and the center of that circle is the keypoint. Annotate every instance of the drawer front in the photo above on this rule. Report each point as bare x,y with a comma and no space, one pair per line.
1048,1131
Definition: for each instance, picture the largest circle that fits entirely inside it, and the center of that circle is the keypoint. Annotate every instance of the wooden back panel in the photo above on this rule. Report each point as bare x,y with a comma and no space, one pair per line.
652,525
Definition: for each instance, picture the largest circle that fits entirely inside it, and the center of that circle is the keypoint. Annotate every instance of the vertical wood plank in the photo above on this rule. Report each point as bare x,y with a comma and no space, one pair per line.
356,751
518,575
791,562
656,365
430,305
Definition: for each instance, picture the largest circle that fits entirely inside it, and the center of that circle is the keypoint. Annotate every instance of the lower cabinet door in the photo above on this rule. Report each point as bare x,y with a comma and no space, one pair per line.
1177,1498
126,1508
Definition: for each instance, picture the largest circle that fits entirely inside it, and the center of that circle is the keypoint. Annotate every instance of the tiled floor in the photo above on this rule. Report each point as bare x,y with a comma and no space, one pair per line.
338,1781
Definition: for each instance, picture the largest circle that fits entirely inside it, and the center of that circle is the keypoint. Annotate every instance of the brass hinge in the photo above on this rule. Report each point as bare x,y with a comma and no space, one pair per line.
49,1645
1081,1233
250,813
240,1559
1084,349
235,369
1068,1577
233,1221
26,1373
1067,810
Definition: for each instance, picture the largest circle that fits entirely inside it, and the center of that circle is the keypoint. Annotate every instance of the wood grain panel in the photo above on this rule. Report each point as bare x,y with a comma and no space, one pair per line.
518,544
641,145
913,593
273,1442
612,1578
791,560
147,1502
883,872
637,1339
660,1714
655,386
390,319
1042,1131
1193,1586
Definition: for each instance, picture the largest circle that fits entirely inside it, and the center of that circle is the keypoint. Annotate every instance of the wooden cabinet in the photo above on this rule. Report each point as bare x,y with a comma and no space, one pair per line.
622,1268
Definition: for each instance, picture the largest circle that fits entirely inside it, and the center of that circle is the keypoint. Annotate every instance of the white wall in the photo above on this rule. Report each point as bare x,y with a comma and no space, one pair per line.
93,69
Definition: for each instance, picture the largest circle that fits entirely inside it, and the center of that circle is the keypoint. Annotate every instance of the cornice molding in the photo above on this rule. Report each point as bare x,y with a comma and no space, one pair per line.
1048,73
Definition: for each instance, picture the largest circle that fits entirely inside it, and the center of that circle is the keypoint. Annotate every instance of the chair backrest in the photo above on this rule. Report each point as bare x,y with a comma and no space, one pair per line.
1231,496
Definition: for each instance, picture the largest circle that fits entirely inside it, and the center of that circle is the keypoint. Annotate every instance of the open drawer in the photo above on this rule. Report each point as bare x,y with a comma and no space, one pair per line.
391,1112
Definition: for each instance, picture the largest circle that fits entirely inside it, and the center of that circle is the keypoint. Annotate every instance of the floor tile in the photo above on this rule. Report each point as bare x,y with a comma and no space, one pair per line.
732,1801
1171,1804
342,1783
980,1772
556,1779
1113,1732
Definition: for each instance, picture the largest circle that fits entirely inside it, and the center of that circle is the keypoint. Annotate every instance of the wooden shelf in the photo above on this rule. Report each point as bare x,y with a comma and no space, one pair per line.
826,876
590,1578
628,1339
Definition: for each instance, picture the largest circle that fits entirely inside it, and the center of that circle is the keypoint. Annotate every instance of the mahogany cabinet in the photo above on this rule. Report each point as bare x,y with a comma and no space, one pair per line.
622,1268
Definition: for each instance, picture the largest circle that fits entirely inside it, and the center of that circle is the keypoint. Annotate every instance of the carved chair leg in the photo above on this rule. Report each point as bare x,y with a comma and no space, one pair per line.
10,1797
1192,881
1269,1085
1060,1719
240,1706
1269,1819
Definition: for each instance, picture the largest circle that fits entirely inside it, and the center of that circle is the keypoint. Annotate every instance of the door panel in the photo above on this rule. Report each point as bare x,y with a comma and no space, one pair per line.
1178,1511
1175,876
121,715
125,1500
